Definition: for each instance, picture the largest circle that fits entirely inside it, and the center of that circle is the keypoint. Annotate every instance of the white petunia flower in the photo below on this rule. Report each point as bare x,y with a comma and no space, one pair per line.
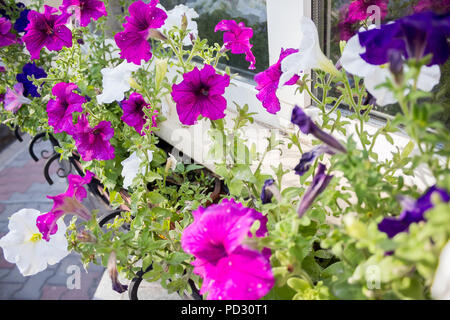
132,167
440,289
175,17
309,55
171,162
116,81
24,246
374,75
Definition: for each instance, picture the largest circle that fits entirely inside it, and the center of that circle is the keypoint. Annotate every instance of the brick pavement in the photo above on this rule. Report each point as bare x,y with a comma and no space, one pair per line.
22,185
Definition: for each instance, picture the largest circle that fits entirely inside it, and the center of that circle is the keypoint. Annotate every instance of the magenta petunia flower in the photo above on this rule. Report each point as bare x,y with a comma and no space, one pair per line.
201,92
47,30
133,112
85,10
440,7
133,40
6,37
357,10
230,270
68,202
14,99
67,102
93,143
237,39
268,80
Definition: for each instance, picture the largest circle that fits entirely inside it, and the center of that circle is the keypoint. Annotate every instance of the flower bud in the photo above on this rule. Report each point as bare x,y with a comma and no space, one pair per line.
134,84
86,236
184,22
396,65
160,71
156,34
114,274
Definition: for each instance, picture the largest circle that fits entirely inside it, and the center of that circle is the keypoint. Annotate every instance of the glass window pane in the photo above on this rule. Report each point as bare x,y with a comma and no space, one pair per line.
252,12
330,15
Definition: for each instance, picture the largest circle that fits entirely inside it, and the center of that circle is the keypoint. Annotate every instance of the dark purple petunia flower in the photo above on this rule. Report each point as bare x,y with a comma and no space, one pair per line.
266,195
317,186
140,26
22,22
307,126
133,112
61,109
308,158
413,212
6,37
85,10
268,81
415,36
30,69
47,30
237,39
201,92
93,143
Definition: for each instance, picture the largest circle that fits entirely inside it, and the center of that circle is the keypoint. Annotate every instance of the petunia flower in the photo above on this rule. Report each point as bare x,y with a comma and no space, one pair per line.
131,167
440,288
14,99
269,190
171,163
116,81
317,186
237,39
309,157
230,269
201,92
6,37
415,36
30,69
268,83
114,274
22,22
84,10
133,112
175,19
307,126
93,143
413,212
68,202
309,55
141,24
358,10
24,246
61,109
346,27
374,75
47,30
439,7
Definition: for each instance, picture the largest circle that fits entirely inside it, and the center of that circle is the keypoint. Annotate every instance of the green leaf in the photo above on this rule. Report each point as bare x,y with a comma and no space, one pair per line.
243,172
298,284
152,176
155,197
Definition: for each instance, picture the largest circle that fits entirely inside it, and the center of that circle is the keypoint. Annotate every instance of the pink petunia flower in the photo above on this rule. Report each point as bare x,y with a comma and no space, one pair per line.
346,27
440,7
14,99
85,10
47,30
93,143
133,112
230,270
140,26
201,92
6,37
357,10
268,81
68,202
237,39
67,102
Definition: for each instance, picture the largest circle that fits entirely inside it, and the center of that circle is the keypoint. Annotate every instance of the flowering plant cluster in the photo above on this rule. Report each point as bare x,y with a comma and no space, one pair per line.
352,225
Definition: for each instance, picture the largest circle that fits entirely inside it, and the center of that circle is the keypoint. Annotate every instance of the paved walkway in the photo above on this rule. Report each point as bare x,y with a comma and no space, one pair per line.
22,185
